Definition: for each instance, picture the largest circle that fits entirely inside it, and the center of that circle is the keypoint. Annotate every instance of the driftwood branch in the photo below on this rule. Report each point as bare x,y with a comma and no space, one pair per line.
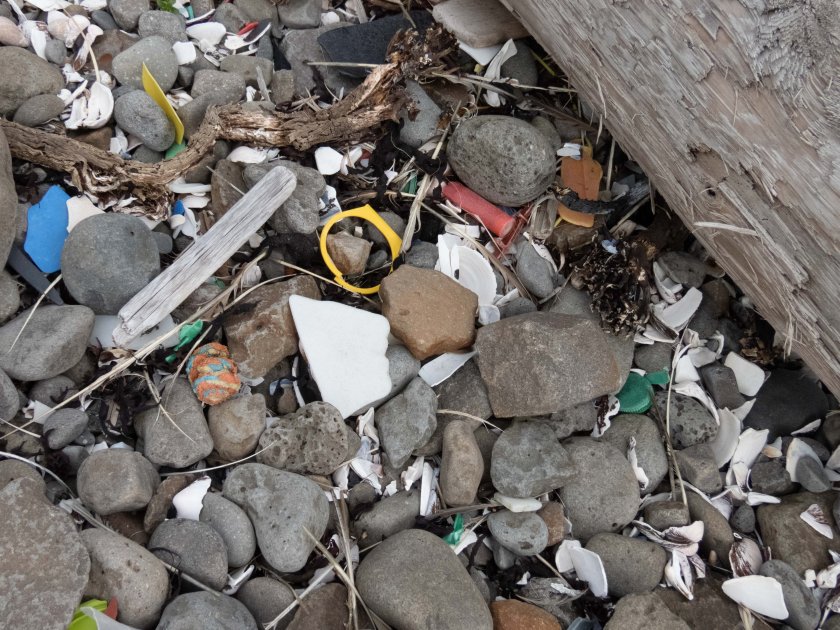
103,174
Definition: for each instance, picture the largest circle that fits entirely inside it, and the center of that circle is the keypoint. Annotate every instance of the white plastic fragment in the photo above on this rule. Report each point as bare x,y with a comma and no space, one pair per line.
590,569
808,428
328,160
815,517
181,187
563,557
248,155
701,356
641,477
236,579
428,495
748,376
685,372
184,52
210,33
188,502
345,348
482,55
441,368
797,450
517,505
759,593
750,444
78,209
676,316
744,410
726,440
103,621
666,287
569,149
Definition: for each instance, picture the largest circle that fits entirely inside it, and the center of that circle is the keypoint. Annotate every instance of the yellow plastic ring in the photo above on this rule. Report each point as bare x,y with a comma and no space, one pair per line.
368,214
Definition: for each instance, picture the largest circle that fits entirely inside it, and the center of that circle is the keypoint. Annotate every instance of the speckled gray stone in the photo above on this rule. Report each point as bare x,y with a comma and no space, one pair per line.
156,52
232,524
194,547
208,611
523,533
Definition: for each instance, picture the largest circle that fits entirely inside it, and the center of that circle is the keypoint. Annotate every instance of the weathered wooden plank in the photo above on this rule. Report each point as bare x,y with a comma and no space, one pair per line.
733,109
205,256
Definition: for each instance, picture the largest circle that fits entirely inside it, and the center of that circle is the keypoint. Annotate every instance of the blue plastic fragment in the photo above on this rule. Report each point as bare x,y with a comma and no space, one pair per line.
46,230
178,208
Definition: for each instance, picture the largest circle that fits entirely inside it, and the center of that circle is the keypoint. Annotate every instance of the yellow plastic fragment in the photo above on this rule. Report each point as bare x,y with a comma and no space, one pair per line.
153,89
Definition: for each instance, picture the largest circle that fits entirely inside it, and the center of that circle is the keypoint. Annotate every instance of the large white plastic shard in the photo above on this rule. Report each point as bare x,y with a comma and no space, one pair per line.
758,593
748,376
345,348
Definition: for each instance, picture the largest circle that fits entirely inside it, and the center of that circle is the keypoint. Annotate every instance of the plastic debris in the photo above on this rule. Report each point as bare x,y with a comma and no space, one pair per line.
46,229
213,374
442,367
188,502
150,85
582,175
748,376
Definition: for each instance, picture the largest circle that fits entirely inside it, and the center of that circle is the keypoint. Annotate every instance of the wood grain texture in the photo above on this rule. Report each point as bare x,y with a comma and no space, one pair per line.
733,109
206,255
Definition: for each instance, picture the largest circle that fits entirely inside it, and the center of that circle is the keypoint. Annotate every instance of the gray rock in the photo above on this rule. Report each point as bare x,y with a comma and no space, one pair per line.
208,611
632,565
462,465
414,582
683,268
417,129
179,439
216,81
721,385
311,440
282,87
138,114
604,496
323,608
504,159
717,534
644,611
266,598
225,186
107,259
402,368
195,547
792,539
247,67
22,76
64,426
38,110
10,224
148,156
664,514
43,564
75,455
535,272
55,338
803,608
394,221
650,450
699,468
387,517
528,460
407,421
691,423
9,398
578,419
236,425
547,128
523,533
654,357
123,569
810,474
232,524
126,13
422,254
256,10
192,114
301,47
299,213
743,519
300,14
280,505
517,306
231,16
170,26
771,478
116,480
566,359
502,556
521,66
82,372
156,52
56,52
787,401
164,242
12,469
9,296
103,20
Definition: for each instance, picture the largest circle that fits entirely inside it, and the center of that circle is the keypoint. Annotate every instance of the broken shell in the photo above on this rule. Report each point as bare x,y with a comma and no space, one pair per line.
66,28
745,557
758,593
248,155
91,110
184,52
188,502
590,569
209,32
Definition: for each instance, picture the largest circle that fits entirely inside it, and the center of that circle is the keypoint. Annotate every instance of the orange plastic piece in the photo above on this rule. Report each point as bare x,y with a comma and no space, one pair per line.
574,217
583,176
497,221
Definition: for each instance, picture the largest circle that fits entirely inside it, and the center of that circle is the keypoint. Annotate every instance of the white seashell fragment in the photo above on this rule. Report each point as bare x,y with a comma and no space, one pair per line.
188,502
748,376
184,52
210,33
758,593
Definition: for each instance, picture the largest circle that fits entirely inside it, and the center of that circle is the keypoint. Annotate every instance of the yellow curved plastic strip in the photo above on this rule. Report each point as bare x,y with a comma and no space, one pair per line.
153,89
368,214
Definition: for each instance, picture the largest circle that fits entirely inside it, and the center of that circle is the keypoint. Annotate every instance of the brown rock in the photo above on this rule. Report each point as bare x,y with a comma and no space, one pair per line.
128,524
236,425
555,520
462,466
324,609
110,44
645,611
790,538
512,614
349,253
428,311
225,186
260,338
161,501
99,138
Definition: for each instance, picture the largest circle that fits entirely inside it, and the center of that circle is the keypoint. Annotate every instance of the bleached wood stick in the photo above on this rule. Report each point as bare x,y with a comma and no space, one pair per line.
210,251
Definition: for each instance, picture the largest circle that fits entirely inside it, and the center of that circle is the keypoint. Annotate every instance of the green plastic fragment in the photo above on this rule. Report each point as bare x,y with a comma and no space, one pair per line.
657,378
81,621
174,150
637,394
410,187
454,537
186,335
